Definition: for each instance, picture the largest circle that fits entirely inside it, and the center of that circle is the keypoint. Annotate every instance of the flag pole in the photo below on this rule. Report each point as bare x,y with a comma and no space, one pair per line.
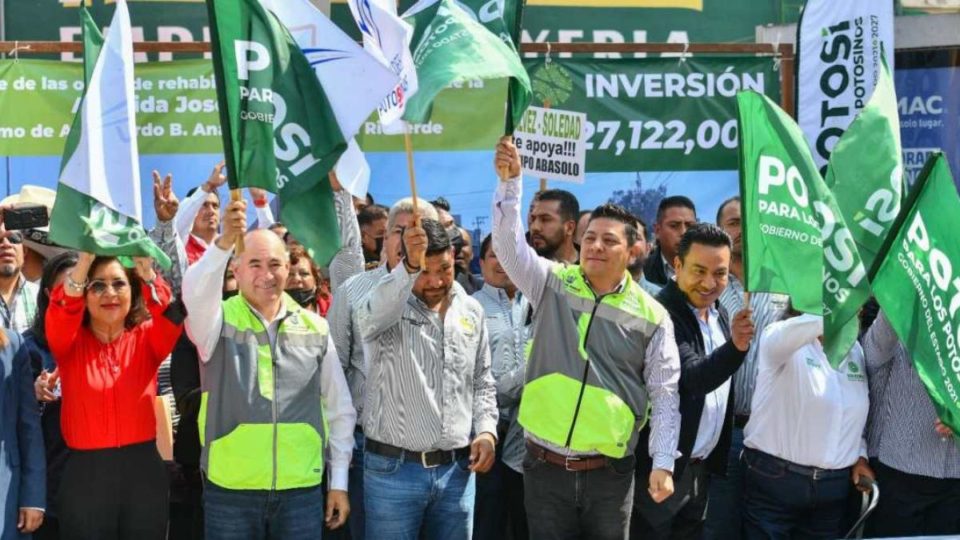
408,145
236,195
543,181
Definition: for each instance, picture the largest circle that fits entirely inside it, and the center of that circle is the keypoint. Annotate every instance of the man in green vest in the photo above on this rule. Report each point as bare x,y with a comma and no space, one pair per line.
602,361
275,402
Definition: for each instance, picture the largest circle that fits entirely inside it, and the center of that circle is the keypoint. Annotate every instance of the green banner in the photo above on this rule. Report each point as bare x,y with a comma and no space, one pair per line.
919,291
176,107
655,114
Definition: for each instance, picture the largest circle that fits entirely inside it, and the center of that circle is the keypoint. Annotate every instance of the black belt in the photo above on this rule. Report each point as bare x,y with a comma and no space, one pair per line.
429,460
740,420
814,473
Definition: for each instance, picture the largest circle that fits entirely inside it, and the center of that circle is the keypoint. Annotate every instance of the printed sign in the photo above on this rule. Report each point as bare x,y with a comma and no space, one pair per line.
552,144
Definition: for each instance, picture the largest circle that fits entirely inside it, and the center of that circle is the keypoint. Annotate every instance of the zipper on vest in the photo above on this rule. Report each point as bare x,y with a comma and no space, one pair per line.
586,368
276,397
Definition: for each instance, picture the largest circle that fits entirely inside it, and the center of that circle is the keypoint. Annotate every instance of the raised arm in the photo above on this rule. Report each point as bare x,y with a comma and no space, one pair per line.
348,262
167,205
341,328
191,205
781,339
166,321
880,343
661,374
67,306
383,307
203,283
526,269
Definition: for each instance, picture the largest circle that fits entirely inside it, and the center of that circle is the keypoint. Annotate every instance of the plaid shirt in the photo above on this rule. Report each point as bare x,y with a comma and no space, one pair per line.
18,315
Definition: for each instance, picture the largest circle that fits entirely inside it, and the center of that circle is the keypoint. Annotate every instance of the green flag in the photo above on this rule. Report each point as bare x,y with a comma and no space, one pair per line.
279,132
865,171
795,239
916,283
449,46
98,205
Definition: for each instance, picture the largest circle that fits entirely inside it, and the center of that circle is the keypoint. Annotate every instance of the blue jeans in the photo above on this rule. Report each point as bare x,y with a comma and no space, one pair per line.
292,514
356,518
405,501
724,513
782,503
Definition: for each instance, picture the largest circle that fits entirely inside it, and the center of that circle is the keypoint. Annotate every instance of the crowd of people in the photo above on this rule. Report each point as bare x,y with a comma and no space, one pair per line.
590,382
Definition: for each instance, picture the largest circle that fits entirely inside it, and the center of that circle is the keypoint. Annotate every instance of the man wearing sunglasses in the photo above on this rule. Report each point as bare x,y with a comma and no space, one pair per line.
18,297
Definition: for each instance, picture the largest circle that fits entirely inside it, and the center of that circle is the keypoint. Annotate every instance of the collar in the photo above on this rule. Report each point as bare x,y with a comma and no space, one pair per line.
712,312
199,240
620,288
667,267
498,293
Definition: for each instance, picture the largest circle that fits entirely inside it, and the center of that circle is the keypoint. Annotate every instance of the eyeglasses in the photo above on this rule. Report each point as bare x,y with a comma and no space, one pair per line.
99,286
14,237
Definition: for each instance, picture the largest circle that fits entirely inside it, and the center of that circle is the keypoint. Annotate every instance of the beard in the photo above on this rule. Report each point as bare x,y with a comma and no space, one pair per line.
8,270
636,267
550,248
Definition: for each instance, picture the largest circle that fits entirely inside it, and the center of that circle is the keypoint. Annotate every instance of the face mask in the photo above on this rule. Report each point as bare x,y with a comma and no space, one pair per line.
304,297
230,294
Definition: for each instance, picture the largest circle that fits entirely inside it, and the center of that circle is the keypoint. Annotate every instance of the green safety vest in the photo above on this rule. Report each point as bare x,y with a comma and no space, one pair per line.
260,409
585,388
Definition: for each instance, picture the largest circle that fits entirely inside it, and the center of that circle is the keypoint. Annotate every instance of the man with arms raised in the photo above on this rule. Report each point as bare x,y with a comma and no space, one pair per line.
603,350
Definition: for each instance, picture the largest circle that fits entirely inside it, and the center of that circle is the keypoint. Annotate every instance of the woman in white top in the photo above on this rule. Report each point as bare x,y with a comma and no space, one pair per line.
804,441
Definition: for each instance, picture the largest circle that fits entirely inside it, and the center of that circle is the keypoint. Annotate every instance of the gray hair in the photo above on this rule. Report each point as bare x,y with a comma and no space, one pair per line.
405,206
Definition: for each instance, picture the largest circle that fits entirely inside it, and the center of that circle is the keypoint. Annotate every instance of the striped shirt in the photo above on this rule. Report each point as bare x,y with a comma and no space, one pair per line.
348,262
506,320
429,385
18,315
767,308
345,331
661,369
904,418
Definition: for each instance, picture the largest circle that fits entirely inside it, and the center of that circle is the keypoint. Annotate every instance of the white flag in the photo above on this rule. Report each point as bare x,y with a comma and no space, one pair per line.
354,80
840,45
388,37
98,206
353,171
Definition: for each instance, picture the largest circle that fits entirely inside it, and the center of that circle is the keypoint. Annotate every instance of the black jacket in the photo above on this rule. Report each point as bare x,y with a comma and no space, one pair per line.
653,268
700,374
185,379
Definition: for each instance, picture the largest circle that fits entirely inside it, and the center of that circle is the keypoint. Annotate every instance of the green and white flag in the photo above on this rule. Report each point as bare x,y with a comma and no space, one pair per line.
450,46
865,171
279,131
795,239
917,283
98,207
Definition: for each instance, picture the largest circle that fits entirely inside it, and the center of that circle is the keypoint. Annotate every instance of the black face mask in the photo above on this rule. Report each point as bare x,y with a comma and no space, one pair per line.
230,294
304,297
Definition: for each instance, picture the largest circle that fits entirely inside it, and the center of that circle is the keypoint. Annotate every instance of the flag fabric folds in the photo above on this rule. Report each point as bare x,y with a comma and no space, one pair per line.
98,206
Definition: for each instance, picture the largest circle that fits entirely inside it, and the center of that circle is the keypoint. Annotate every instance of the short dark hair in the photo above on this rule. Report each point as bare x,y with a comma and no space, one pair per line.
276,225
735,198
441,204
371,214
617,213
641,225
569,205
485,246
438,239
370,201
675,201
51,270
705,234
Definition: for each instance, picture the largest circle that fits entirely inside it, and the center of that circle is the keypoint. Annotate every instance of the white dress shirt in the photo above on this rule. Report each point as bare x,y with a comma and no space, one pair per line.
805,411
202,286
715,403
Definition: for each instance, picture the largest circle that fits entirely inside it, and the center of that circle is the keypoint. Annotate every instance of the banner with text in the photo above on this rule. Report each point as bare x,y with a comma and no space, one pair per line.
551,144
655,114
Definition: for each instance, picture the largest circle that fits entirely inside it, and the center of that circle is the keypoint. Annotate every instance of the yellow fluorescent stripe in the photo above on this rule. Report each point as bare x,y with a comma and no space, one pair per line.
696,5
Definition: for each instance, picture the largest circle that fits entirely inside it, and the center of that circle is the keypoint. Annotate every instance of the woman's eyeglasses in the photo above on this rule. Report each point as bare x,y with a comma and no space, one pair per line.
99,286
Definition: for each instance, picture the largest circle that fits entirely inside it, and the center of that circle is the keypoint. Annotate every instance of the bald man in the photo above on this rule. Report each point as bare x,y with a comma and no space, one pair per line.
264,361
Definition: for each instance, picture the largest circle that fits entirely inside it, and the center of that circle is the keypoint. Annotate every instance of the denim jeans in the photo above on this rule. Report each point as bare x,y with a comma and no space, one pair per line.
781,503
406,501
571,505
355,522
724,513
292,514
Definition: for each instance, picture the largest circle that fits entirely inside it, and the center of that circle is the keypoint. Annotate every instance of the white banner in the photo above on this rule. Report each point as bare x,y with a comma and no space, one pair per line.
552,144
840,44
387,36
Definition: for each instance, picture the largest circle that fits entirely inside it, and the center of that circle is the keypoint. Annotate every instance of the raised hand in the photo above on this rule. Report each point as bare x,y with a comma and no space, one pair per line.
165,201
217,178
507,159
742,329
234,224
415,243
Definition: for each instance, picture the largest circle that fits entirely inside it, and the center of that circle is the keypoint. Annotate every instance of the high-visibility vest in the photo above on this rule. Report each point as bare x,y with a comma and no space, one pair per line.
261,419
584,385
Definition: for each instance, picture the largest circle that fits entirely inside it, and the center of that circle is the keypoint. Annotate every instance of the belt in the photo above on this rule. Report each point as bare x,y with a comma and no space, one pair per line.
429,460
740,420
813,473
569,463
